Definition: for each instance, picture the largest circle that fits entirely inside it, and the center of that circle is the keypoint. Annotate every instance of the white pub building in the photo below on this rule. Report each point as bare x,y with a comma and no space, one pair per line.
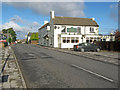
64,32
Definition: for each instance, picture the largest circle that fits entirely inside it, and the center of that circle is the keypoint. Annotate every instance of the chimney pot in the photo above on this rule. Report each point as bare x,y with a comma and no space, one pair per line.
93,19
52,14
45,22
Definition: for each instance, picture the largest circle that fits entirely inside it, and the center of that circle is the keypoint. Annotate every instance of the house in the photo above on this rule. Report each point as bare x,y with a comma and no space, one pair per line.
110,37
64,32
32,38
28,37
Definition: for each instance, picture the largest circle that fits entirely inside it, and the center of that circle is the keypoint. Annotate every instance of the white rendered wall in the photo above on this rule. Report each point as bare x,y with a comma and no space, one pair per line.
70,45
56,32
53,35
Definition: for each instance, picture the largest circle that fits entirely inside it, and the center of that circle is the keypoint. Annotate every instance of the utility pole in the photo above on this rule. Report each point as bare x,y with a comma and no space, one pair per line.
8,37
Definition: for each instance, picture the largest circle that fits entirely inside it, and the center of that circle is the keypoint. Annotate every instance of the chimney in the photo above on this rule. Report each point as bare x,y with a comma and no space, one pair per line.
93,19
52,14
45,22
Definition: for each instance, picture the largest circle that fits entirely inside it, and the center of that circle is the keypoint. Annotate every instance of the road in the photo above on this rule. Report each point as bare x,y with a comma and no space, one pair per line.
45,68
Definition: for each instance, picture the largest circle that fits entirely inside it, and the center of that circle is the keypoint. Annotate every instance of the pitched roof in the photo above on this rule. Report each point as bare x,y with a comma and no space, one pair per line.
44,25
74,21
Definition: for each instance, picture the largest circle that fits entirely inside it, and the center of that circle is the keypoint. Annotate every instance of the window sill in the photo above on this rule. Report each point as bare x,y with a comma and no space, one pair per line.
92,32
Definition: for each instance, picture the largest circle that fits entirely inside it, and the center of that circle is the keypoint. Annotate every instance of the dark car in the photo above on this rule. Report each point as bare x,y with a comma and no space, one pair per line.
86,47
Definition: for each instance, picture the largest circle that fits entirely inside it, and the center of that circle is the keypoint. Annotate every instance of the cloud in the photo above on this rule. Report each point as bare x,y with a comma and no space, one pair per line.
21,30
114,12
12,24
0,27
17,19
114,6
35,24
60,8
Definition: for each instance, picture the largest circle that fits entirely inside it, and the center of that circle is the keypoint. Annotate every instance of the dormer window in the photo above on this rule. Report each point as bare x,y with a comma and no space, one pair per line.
64,29
91,29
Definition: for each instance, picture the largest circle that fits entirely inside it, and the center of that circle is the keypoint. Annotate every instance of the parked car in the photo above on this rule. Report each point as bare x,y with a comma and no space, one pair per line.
86,47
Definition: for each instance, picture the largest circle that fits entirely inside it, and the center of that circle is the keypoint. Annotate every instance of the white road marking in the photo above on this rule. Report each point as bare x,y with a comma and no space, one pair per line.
101,76
44,56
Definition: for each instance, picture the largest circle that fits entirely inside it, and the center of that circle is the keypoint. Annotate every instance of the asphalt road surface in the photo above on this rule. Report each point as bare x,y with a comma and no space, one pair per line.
45,68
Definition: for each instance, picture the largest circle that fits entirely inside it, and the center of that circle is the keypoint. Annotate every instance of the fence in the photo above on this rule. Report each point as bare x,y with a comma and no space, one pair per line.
109,45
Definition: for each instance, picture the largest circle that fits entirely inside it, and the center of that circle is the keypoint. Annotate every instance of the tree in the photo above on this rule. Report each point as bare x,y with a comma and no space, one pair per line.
9,40
34,36
11,32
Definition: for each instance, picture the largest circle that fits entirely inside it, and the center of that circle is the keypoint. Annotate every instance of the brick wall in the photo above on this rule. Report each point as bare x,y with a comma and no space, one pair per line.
34,41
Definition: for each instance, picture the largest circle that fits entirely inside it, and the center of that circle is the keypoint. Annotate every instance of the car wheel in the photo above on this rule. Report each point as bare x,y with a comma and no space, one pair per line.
82,50
97,49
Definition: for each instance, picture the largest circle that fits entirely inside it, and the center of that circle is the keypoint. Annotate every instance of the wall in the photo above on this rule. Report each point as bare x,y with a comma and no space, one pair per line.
57,31
71,34
70,45
42,33
34,41
1,45
109,45
108,37
87,28
54,33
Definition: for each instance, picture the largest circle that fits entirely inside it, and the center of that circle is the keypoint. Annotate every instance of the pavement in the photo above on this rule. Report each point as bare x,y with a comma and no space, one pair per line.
10,71
103,56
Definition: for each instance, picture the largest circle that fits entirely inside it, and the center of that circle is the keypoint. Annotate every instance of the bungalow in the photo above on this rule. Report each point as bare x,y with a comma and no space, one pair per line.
64,32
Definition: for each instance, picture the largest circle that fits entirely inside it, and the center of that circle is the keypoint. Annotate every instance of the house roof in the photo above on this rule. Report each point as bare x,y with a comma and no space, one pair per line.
74,21
44,25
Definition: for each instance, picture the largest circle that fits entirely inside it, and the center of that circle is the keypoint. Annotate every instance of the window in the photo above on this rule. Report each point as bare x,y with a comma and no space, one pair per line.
90,40
87,41
68,39
104,39
79,30
63,30
64,39
77,40
91,29
110,39
74,39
